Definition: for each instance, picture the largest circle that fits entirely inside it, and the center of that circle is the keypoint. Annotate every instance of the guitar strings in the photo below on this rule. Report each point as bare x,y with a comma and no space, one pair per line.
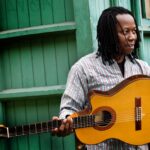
125,116
107,121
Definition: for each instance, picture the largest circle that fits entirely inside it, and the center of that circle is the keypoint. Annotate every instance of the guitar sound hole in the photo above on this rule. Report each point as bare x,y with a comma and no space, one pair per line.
106,118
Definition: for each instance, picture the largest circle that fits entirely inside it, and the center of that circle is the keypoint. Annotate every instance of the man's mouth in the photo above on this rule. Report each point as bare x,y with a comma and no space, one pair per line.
131,45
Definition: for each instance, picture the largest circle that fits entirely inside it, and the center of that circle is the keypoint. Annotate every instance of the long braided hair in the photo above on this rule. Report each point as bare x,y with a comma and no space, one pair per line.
108,42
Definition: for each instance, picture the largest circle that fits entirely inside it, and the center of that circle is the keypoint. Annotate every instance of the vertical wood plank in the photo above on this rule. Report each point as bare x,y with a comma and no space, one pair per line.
136,9
62,59
15,66
59,11
2,113
38,62
56,142
72,53
34,12
6,70
11,121
125,3
31,114
146,53
23,13
69,10
46,11
2,84
20,115
50,61
26,64
96,7
43,115
69,142
3,15
83,33
3,143
12,18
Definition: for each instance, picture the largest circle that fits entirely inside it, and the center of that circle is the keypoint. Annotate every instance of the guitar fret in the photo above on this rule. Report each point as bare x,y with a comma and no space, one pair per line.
45,126
86,121
93,123
54,124
32,128
89,121
22,130
83,121
50,125
26,129
80,122
19,130
12,131
38,127
59,123
35,128
4,131
74,123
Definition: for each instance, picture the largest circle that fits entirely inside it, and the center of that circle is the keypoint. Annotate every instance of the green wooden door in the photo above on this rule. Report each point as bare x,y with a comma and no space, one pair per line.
40,40
38,47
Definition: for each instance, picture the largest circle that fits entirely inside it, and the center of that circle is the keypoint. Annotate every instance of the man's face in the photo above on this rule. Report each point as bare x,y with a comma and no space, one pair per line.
126,29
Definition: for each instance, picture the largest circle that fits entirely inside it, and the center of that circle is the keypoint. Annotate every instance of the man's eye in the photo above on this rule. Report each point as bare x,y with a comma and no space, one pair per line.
134,31
125,32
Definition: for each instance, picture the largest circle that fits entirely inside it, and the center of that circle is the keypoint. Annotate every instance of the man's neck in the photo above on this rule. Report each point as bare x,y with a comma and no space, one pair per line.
120,59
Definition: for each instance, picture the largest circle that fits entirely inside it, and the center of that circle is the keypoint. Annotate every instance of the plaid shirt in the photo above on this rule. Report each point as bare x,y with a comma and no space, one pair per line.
88,74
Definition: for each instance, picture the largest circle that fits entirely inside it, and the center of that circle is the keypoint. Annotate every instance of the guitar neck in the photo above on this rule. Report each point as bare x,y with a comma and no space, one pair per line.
33,128
78,122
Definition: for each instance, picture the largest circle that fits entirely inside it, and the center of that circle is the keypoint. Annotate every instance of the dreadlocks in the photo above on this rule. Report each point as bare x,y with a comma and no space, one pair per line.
108,42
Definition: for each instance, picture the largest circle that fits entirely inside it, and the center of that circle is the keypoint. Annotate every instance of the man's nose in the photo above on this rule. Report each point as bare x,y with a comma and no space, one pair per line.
132,36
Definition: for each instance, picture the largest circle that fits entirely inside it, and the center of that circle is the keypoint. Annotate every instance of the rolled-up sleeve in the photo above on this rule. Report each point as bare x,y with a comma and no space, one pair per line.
75,94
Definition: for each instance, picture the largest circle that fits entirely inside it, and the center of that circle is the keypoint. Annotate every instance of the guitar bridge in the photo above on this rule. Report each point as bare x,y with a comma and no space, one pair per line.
138,118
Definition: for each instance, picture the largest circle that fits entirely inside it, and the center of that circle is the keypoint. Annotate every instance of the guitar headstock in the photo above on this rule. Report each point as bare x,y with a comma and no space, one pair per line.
3,131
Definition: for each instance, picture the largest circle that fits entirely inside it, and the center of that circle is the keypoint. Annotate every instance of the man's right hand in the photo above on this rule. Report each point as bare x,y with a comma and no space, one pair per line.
65,128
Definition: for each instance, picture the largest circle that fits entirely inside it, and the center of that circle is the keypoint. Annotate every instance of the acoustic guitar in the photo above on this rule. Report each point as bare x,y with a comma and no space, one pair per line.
121,113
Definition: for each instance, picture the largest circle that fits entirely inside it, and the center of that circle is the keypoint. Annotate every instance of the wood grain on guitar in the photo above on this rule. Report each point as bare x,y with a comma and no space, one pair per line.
121,113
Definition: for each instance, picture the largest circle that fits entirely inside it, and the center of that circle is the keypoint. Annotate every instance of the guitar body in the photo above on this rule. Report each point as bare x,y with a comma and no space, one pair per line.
128,109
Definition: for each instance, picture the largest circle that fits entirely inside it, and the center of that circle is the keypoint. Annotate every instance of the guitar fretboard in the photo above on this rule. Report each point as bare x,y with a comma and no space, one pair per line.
33,128
78,122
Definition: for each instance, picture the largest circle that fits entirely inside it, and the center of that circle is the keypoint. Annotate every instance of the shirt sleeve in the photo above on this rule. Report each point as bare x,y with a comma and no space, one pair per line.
75,94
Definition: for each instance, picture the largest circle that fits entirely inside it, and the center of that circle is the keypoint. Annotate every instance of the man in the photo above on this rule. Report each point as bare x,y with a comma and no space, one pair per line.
118,40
